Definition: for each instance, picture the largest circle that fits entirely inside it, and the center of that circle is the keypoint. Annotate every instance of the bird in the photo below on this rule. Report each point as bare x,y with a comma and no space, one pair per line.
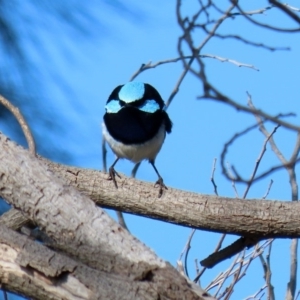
134,125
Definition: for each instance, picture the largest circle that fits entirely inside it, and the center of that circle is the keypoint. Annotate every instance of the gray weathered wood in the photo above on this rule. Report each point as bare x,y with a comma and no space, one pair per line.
31,269
263,218
81,229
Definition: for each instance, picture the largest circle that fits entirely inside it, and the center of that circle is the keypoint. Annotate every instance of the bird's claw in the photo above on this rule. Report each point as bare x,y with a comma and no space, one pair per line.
112,176
161,185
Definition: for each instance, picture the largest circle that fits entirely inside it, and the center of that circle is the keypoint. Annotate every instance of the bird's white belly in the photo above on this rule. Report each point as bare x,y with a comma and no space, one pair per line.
136,152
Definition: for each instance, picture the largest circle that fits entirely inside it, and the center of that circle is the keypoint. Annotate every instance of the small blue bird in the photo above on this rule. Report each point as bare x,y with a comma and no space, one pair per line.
135,125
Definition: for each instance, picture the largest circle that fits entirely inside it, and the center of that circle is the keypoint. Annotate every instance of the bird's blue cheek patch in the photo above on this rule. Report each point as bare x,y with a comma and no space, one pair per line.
132,91
113,106
150,106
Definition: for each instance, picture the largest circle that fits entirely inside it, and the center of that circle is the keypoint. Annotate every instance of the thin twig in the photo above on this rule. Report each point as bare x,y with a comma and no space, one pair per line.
218,247
212,178
267,272
24,126
235,278
286,9
237,246
268,190
269,284
223,278
186,250
289,165
222,59
264,148
229,172
254,297
121,219
292,7
259,124
263,25
151,65
222,98
251,43
291,287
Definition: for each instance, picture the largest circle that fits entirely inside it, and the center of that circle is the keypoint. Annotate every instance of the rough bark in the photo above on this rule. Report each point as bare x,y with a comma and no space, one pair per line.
81,230
260,218
32,269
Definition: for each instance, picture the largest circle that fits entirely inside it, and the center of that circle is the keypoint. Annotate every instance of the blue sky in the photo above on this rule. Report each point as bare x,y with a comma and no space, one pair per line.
149,32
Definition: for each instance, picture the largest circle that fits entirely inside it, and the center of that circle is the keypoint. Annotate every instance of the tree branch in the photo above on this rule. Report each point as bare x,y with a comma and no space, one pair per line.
31,269
257,217
260,218
82,230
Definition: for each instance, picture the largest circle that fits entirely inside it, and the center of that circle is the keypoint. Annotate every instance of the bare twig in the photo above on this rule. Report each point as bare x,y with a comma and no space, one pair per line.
222,59
267,272
268,190
238,270
219,281
24,126
279,29
186,250
212,178
291,287
121,219
286,9
292,7
222,98
251,43
250,181
229,290
254,297
151,65
239,244
289,165
236,177
232,270
229,172
218,247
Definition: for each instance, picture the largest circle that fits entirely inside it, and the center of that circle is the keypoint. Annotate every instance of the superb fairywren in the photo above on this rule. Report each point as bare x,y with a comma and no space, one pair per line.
135,125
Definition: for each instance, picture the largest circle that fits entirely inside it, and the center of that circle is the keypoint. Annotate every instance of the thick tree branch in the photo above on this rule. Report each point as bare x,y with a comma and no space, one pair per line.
261,218
82,230
31,269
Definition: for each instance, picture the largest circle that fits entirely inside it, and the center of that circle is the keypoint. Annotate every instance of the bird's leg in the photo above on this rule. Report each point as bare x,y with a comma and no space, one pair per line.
112,173
159,181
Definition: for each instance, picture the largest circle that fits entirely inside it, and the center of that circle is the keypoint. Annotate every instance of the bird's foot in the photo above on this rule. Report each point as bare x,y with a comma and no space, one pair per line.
112,176
160,183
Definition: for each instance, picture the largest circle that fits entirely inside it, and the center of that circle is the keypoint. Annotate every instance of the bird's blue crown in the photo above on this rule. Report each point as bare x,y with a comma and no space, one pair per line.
136,94
132,91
